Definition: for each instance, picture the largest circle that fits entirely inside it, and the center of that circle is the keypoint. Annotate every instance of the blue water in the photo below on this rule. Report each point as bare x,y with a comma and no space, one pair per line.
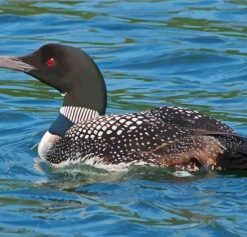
186,53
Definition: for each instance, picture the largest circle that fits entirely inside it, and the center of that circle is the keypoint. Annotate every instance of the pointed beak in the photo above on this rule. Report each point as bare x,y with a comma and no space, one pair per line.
15,64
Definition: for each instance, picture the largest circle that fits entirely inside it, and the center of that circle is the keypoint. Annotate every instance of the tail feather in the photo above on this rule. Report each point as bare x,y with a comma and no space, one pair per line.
234,146
236,154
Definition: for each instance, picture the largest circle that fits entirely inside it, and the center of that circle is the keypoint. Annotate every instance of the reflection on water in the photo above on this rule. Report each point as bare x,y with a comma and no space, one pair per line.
151,53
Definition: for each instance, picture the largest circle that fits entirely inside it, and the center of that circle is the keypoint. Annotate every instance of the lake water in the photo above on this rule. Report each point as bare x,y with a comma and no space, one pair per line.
186,53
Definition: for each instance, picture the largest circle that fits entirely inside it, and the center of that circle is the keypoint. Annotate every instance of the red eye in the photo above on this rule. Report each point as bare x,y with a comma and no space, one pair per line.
51,62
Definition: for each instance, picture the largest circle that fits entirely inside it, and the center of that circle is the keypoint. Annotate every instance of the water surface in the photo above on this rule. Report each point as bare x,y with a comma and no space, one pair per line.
151,53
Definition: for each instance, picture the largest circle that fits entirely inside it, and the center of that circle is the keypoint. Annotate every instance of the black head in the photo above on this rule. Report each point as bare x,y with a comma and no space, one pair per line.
69,70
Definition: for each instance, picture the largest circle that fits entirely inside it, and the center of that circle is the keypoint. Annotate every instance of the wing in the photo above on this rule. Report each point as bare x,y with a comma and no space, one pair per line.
206,143
190,119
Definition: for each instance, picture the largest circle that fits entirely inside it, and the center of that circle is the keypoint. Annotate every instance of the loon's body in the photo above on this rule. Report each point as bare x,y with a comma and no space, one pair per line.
166,136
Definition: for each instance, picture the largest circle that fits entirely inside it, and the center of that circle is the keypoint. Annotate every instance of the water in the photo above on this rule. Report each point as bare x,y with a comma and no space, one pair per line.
185,53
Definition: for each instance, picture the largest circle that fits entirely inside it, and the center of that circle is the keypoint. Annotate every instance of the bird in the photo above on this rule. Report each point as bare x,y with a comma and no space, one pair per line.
166,136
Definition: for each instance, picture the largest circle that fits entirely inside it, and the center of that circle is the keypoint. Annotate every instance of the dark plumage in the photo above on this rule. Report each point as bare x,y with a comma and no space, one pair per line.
165,136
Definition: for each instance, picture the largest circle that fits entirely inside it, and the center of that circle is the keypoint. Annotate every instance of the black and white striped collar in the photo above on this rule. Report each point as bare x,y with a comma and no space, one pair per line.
78,114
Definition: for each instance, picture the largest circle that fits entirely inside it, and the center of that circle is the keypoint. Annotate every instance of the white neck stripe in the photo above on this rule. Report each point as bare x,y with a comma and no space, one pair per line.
78,114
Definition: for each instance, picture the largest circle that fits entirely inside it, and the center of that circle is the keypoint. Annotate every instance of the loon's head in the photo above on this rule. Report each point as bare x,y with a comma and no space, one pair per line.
69,70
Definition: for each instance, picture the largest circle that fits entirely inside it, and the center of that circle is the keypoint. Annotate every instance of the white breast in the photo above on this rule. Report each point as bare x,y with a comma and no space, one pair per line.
47,141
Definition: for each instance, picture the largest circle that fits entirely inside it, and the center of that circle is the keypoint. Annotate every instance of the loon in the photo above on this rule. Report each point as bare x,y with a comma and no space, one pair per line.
172,137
